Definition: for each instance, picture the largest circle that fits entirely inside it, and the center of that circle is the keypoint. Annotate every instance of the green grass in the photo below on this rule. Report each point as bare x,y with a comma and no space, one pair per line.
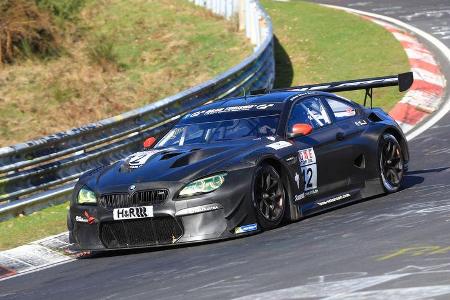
62,9
21,230
326,45
162,36
117,55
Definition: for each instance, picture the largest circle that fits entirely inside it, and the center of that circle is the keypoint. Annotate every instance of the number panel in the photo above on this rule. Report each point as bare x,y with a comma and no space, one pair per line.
308,166
310,176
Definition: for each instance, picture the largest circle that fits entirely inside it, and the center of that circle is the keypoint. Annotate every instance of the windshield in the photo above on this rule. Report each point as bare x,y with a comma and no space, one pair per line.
208,132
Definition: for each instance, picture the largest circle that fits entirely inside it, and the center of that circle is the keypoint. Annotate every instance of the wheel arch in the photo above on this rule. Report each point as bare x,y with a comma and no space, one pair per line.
401,140
291,211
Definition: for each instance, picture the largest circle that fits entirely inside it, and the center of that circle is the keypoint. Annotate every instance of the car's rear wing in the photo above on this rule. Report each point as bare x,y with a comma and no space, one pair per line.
403,81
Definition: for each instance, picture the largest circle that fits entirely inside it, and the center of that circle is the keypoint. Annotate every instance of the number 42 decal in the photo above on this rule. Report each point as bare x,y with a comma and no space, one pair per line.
308,166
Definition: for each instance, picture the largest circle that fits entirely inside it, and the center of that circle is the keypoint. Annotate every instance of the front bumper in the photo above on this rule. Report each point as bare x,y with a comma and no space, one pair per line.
211,216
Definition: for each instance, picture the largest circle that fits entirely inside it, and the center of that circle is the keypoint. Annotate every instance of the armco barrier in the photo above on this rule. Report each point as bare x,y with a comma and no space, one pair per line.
36,173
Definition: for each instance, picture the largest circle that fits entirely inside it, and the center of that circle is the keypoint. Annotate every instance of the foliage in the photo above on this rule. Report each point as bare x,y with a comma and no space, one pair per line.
64,9
25,30
100,51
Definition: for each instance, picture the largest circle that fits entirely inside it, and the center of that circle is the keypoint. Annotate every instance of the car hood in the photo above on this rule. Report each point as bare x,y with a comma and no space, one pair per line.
180,164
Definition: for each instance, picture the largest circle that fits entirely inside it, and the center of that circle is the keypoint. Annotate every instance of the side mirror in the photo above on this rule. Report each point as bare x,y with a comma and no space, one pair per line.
300,129
149,142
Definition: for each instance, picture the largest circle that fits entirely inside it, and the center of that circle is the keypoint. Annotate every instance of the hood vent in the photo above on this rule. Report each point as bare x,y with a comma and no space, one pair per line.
182,161
169,155
194,156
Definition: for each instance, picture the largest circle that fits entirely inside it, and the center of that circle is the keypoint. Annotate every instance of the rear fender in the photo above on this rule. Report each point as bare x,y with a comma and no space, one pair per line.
372,174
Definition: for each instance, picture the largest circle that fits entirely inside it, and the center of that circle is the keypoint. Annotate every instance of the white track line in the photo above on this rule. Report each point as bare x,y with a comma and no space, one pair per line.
428,37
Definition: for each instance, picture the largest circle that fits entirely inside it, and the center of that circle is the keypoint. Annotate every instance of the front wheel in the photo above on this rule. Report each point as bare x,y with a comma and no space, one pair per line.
269,195
391,163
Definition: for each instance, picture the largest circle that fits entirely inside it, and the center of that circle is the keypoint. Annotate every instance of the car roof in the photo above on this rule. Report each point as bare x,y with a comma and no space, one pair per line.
278,97
267,104
274,97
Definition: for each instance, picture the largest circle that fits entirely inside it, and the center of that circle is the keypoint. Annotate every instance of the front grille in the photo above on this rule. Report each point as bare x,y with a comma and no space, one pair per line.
139,198
140,232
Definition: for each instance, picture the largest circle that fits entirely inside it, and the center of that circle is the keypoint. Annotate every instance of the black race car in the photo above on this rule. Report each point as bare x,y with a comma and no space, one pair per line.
242,165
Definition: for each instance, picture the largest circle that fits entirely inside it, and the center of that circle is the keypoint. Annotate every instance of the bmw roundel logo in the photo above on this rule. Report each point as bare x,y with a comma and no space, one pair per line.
132,187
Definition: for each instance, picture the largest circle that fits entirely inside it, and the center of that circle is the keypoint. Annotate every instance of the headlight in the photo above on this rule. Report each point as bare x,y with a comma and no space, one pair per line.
204,185
86,196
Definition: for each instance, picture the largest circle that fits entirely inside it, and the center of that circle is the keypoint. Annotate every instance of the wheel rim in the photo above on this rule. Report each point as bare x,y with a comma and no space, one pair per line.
269,194
391,163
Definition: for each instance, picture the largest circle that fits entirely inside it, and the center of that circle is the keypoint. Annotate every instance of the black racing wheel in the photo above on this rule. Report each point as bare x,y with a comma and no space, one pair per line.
269,194
391,163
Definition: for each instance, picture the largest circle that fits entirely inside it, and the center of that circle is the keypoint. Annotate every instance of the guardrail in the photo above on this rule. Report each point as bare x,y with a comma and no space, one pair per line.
43,171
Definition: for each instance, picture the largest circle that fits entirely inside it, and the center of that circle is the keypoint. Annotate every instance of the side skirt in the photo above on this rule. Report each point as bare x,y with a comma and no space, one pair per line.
330,202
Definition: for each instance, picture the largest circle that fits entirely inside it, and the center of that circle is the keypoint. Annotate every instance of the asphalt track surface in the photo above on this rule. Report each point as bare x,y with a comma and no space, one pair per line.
390,247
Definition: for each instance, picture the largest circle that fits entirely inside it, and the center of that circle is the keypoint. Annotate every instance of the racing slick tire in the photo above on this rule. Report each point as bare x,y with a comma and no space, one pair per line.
269,195
390,163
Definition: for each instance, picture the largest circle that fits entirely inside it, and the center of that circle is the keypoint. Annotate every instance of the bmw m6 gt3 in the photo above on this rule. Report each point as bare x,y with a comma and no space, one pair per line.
241,165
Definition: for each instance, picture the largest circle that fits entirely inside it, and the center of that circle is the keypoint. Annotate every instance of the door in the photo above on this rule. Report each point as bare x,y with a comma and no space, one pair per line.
322,157
351,125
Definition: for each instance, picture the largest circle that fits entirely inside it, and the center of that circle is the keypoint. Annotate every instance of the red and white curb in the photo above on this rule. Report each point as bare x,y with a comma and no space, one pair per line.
35,256
426,94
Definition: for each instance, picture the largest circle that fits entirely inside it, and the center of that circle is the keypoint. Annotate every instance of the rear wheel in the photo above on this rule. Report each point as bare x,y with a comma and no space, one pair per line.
269,195
391,163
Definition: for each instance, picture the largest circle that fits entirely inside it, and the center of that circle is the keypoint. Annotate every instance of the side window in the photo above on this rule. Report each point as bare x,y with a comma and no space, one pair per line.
309,111
341,110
